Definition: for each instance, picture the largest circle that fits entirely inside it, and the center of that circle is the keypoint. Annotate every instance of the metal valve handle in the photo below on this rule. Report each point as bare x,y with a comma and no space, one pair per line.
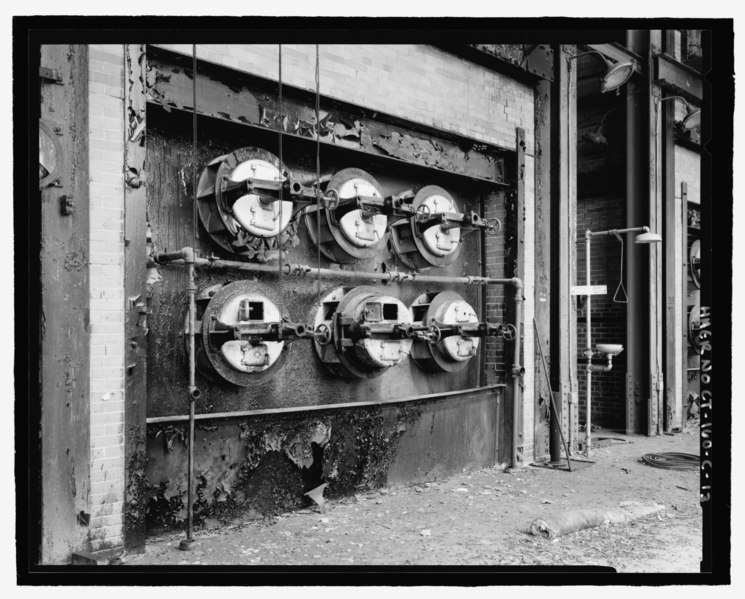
435,334
331,199
322,334
422,212
508,332
493,226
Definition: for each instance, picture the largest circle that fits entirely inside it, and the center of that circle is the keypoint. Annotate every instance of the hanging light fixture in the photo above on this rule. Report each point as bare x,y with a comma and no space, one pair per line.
648,237
597,136
693,114
617,73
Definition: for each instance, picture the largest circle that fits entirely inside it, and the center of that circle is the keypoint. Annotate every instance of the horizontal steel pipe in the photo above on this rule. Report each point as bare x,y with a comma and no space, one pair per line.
318,408
328,273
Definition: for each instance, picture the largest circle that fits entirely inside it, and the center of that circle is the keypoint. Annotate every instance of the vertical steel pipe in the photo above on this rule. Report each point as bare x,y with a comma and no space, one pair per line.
517,370
588,308
188,257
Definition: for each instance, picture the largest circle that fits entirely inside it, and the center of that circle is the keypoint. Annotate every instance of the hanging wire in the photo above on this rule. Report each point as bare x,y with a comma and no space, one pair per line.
318,174
281,167
620,287
195,227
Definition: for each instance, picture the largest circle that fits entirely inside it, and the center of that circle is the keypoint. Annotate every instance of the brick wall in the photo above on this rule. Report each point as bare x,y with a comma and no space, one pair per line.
106,295
608,319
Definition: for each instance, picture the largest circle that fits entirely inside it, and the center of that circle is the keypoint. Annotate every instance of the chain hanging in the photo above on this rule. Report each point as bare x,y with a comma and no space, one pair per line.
194,215
318,174
281,164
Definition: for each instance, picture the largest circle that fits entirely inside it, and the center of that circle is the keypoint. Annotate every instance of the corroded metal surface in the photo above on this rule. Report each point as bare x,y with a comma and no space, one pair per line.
302,381
248,100
64,317
265,464
135,318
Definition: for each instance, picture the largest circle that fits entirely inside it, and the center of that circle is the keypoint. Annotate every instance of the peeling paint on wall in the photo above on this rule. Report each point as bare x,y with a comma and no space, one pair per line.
264,466
248,100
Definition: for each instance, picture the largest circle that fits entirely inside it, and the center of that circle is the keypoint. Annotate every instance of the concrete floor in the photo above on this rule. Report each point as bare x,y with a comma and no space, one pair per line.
477,518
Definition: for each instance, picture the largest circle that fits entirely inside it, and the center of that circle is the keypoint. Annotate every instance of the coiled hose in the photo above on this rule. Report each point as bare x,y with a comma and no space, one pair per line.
672,461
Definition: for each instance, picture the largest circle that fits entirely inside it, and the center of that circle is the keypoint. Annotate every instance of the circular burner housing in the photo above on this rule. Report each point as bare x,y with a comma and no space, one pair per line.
350,354
354,234
238,361
451,353
420,246
250,219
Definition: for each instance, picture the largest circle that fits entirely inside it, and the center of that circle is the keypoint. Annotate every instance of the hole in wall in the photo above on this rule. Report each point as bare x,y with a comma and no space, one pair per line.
313,474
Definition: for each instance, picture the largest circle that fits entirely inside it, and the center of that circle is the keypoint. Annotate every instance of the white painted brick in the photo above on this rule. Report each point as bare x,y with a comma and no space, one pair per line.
114,429
106,417
98,476
103,464
104,328
107,508
99,406
101,532
115,451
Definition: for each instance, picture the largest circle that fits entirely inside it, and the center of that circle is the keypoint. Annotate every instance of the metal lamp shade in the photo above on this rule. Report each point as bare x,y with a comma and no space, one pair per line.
693,117
617,75
648,238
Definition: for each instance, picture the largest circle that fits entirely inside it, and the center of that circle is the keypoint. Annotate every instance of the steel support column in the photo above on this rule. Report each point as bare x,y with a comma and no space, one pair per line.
674,247
655,313
637,194
546,439
563,349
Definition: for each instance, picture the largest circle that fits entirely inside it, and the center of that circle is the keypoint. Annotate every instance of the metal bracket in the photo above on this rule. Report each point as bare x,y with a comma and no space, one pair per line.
50,75
540,61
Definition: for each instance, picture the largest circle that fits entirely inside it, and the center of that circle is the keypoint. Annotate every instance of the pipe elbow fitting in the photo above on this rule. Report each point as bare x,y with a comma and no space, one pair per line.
188,255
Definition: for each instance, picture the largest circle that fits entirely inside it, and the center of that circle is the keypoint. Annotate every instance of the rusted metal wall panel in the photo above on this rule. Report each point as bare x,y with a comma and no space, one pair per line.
248,467
450,435
65,353
249,100
135,255
302,379
253,463
231,454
